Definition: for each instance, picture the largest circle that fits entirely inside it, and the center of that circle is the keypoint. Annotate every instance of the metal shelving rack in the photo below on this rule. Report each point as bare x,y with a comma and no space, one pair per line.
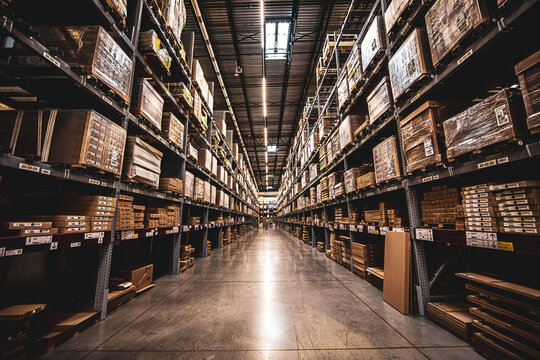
90,96
504,22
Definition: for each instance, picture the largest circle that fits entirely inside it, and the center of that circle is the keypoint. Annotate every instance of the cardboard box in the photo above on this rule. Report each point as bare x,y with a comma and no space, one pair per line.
528,72
92,48
140,277
493,120
189,185
397,271
450,21
143,162
374,42
380,100
393,13
84,137
386,161
410,63
173,130
347,129
147,102
422,133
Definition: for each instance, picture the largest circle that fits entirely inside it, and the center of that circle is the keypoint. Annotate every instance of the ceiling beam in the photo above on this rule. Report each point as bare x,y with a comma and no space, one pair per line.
311,69
232,27
292,33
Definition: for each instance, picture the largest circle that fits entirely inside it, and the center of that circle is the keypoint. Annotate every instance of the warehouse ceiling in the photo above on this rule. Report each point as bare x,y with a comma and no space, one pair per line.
235,34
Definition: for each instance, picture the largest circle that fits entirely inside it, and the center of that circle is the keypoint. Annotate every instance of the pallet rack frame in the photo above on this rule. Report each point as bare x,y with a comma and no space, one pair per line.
13,28
409,184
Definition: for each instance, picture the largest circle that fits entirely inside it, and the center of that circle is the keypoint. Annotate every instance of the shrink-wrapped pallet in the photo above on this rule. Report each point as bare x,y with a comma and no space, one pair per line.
146,102
380,100
152,48
198,193
449,21
374,42
174,13
410,63
84,137
393,13
343,89
528,72
92,48
205,159
189,185
354,67
142,162
213,194
493,120
422,133
207,192
349,178
181,93
348,127
172,129
386,161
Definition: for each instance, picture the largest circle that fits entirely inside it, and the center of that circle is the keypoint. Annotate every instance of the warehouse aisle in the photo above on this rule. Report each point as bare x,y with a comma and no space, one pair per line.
268,296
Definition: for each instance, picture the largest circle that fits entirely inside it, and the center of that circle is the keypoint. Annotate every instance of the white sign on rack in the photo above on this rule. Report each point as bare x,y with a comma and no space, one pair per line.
424,234
38,240
482,239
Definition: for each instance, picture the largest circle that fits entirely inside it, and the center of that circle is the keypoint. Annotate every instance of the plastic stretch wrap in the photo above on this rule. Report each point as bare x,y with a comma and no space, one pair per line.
348,127
87,138
350,179
380,100
205,158
92,48
143,162
207,190
189,184
374,42
385,160
313,171
133,171
213,194
449,21
149,43
343,89
120,6
174,12
198,193
393,12
421,132
354,67
410,62
173,129
528,72
495,119
146,102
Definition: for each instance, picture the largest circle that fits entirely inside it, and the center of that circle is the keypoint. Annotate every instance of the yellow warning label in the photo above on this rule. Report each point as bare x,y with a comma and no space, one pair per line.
506,246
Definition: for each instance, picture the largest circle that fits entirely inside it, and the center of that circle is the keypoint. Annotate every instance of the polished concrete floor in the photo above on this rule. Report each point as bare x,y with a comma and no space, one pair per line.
268,296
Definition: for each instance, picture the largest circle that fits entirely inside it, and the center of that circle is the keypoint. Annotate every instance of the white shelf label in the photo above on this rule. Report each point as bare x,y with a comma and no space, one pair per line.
54,246
94,235
2,252
126,235
75,244
28,167
46,171
487,164
100,241
371,229
360,228
488,244
384,229
174,230
424,234
481,235
351,228
149,233
399,229
185,228
14,252
38,240
48,56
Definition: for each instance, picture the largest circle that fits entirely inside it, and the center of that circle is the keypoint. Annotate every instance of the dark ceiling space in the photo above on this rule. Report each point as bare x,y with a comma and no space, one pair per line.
234,30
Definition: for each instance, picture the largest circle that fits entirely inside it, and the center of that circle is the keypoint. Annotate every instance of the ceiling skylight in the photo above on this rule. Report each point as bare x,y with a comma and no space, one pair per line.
277,39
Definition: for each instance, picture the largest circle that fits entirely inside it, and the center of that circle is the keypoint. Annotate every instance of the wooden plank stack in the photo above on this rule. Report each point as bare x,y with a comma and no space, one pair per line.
125,215
442,207
364,255
506,322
